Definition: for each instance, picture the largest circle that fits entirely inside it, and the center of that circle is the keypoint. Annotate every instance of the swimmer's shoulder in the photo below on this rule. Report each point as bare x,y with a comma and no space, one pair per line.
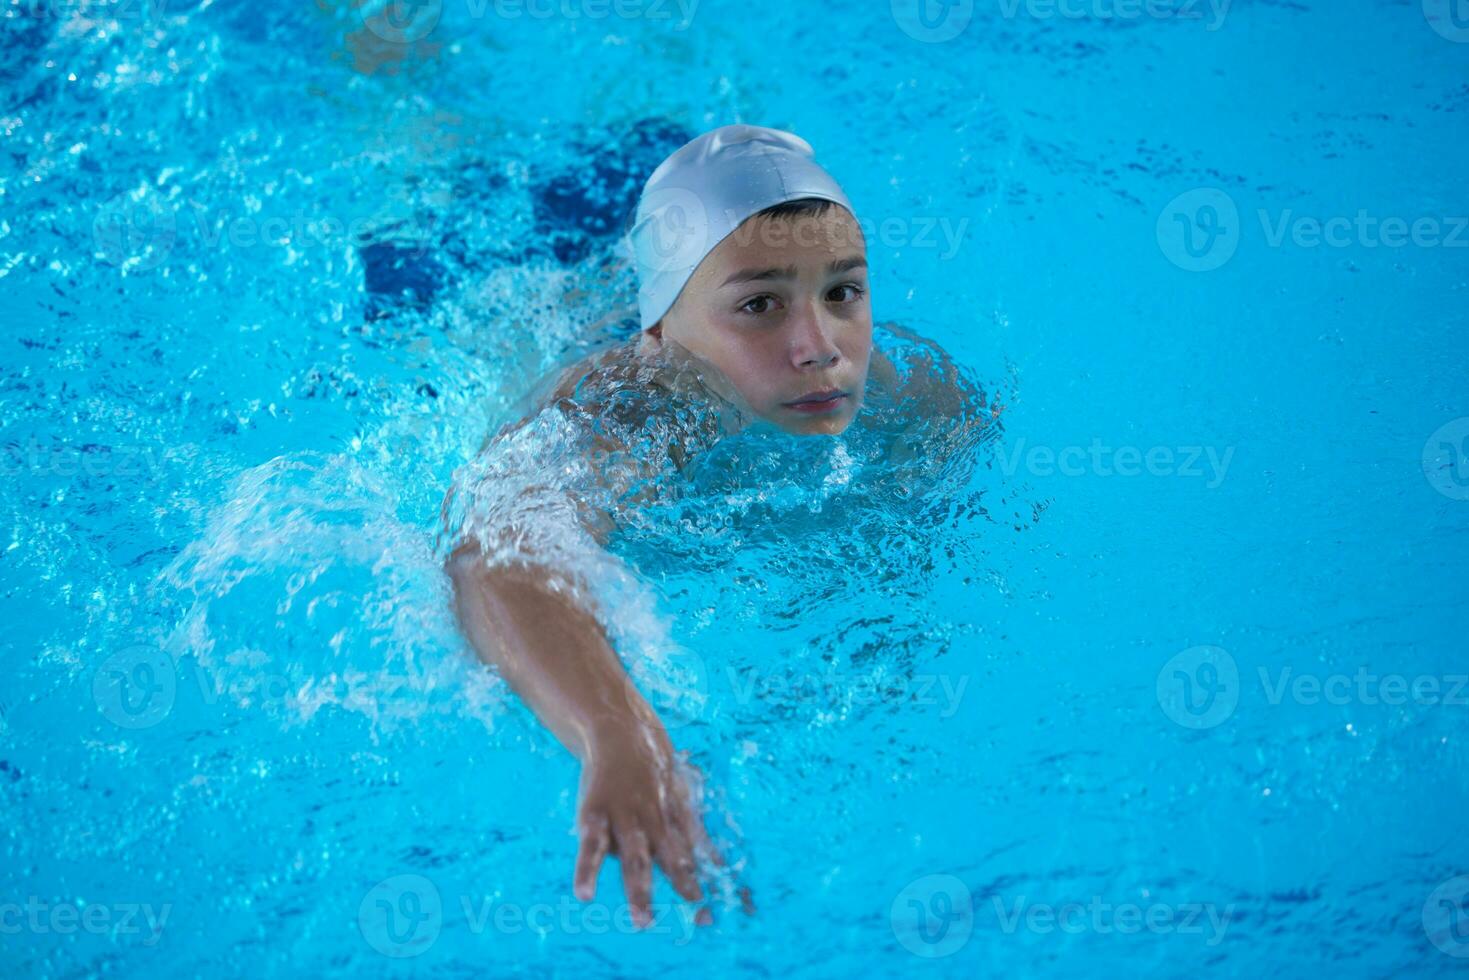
589,380
882,371
642,392
924,381
566,389
633,393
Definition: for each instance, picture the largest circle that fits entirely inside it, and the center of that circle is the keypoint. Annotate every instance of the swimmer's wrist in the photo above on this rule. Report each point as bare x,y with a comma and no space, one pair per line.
611,733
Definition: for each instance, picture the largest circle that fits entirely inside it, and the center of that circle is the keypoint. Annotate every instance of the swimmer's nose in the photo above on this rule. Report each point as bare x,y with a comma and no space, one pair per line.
813,342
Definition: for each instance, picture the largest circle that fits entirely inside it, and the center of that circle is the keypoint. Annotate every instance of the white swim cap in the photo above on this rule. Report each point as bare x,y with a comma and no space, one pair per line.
704,191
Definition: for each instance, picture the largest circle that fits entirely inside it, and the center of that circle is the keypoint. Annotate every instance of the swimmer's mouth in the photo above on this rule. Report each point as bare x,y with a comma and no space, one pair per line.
819,401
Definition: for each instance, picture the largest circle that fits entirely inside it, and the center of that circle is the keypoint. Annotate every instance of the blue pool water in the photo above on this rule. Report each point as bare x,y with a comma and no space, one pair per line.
1150,669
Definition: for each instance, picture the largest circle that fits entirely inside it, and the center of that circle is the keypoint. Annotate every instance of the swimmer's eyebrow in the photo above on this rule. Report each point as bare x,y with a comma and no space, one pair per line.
789,272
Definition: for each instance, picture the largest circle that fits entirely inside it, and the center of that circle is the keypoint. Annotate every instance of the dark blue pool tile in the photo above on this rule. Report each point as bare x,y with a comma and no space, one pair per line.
579,207
398,274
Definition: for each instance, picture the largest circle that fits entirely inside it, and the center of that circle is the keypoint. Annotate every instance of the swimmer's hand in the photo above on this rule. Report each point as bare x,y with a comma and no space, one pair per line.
636,805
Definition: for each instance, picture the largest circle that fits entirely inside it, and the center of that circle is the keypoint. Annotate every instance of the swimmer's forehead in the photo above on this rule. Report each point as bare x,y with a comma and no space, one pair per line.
787,272
836,232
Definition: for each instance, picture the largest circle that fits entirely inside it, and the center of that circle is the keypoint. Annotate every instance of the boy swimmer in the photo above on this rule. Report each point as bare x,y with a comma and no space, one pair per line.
752,296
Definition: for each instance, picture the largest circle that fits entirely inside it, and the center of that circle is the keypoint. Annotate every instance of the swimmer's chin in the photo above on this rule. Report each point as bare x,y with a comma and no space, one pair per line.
825,425
792,427
822,429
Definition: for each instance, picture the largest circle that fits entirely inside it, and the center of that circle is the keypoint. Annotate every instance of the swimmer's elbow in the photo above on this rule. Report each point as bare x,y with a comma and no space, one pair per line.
552,553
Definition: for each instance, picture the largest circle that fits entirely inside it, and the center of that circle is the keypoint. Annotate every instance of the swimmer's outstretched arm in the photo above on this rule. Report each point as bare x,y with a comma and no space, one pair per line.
555,655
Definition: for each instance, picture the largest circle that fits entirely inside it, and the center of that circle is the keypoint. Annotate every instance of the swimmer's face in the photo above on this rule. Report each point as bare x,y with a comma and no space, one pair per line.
781,308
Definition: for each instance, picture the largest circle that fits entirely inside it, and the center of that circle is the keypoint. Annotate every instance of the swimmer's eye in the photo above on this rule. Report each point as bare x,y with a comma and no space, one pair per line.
856,293
763,298
847,292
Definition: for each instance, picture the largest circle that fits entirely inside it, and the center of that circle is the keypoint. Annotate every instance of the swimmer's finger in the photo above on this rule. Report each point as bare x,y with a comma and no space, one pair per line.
675,856
637,873
712,854
703,846
595,842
